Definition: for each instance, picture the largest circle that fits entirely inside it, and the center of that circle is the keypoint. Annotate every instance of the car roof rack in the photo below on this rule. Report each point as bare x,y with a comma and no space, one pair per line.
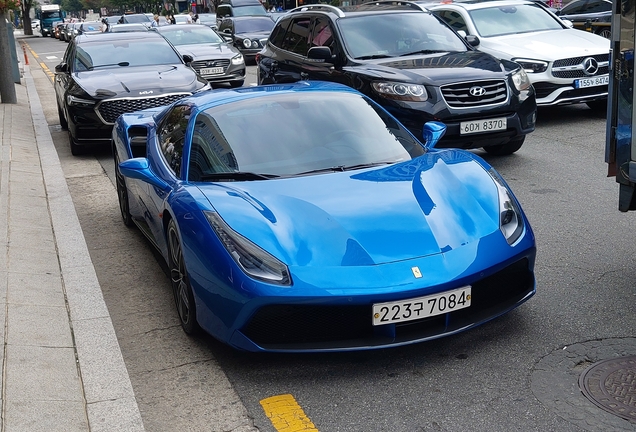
320,8
391,4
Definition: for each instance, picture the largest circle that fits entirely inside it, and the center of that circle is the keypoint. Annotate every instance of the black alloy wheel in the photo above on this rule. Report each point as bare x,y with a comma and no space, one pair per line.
183,297
122,193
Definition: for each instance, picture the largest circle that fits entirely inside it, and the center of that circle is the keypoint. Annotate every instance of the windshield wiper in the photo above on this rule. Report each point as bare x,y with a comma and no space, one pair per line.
374,56
422,52
107,65
341,168
236,175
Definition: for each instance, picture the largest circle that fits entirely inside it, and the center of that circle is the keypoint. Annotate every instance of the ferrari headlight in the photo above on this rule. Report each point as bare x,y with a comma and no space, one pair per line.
247,43
238,59
510,219
532,66
253,260
75,101
520,80
401,91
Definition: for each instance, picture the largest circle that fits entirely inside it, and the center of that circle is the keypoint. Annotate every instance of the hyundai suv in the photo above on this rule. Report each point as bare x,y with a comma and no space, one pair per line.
411,63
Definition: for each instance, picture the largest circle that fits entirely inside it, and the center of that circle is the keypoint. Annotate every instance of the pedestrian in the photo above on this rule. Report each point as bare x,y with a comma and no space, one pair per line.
189,19
105,25
155,21
172,19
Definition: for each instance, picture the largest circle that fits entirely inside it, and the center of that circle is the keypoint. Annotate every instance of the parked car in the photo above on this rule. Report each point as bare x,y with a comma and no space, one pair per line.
247,33
57,30
335,229
234,8
133,19
133,27
597,14
565,65
212,58
411,63
104,75
208,19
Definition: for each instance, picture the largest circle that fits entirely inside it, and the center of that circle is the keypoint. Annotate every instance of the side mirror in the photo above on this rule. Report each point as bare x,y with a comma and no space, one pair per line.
61,68
187,59
433,132
568,23
139,168
321,53
462,33
472,40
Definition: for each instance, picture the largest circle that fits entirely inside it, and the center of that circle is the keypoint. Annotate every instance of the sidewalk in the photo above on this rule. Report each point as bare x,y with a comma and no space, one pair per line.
62,367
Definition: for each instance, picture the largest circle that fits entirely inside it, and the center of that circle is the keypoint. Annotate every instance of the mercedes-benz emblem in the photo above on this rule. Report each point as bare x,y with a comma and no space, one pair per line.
477,91
590,66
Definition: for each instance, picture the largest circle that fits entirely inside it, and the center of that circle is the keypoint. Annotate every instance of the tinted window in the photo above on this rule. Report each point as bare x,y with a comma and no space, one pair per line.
575,7
453,19
223,10
322,35
253,25
249,10
521,18
133,52
172,136
393,35
278,34
330,130
190,35
297,36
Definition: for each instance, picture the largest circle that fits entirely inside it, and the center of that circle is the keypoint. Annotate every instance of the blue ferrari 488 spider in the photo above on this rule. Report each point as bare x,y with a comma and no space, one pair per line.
304,217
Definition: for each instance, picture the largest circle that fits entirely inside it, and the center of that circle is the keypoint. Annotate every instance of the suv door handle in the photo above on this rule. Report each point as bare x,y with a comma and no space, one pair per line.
304,76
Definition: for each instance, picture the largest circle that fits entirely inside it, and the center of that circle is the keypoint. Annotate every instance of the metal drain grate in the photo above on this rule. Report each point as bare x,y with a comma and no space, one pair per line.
611,385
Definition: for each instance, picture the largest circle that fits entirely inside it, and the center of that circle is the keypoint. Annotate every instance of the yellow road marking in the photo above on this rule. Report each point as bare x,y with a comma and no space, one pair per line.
286,415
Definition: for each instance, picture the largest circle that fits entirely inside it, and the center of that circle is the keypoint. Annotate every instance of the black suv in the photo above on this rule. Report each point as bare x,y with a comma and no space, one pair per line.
411,63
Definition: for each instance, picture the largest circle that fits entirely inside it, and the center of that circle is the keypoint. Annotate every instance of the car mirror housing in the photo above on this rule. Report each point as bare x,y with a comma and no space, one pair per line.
432,132
319,53
568,23
139,168
61,68
187,59
472,40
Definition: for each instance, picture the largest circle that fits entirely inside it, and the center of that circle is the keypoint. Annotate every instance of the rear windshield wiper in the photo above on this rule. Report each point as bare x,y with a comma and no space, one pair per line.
107,65
236,175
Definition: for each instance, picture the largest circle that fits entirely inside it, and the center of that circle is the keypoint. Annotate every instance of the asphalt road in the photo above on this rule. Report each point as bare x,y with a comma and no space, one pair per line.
486,379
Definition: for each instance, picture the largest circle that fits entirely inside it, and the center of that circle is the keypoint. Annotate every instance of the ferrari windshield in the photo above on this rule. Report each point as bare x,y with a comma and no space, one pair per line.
188,35
397,34
291,134
140,52
520,18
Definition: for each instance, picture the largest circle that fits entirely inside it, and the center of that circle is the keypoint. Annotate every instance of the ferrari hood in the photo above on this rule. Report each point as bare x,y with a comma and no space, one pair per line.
137,81
542,46
432,204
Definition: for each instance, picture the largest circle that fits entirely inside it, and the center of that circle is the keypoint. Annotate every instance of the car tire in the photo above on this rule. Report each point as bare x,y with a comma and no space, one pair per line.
63,122
235,84
76,149
506,149
599,106
181,289
122,193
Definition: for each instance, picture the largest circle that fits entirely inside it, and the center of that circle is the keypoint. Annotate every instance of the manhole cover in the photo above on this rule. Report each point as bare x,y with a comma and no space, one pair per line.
611,385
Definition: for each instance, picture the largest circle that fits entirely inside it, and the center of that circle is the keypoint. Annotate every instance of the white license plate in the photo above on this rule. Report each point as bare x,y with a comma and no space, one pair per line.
592,82
421,307
477,126
211,71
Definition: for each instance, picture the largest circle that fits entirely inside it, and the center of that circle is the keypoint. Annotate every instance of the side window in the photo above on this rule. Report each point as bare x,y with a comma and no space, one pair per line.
596,6
172,136
278,34
223,10
322,34
453,19
574,8
297,36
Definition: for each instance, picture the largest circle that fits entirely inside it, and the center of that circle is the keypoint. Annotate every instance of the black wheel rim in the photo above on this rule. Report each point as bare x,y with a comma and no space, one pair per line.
179,277
122,193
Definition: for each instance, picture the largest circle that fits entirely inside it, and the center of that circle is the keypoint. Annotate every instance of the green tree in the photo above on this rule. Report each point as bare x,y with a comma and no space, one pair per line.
7,86
72,5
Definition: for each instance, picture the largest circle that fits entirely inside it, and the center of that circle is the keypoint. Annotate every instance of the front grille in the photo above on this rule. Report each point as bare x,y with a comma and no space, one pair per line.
573,67
328,326
204,64
544,90
109,110
459,95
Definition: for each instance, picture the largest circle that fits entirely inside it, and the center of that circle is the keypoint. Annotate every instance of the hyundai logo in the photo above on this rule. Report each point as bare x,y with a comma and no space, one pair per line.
210,63
590,66
477,91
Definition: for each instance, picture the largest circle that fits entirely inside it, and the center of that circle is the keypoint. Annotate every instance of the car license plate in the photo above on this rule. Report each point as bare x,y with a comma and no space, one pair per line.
212,71
421,307
591,82
477,126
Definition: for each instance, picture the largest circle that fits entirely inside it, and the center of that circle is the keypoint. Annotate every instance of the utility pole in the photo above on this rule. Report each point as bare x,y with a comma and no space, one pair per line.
7,86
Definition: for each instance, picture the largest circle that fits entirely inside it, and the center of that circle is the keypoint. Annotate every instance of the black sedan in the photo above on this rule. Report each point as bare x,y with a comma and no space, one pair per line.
213,58
105,75
247,33
591,15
